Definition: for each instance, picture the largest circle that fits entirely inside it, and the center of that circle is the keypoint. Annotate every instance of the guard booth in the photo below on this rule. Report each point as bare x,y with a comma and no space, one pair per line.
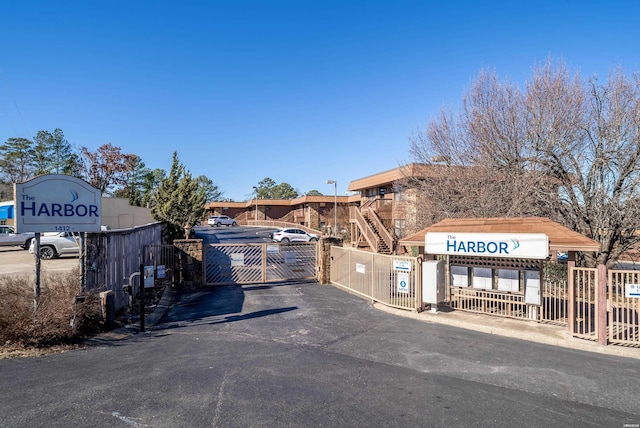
497,266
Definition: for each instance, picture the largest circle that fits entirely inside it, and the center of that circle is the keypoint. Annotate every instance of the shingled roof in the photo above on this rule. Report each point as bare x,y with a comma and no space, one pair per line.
561,238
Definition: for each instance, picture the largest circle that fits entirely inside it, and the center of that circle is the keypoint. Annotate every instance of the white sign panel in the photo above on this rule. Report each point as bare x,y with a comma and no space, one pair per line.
290,257
403,282
508,245
402,265
360,268
57,203
632,290
237,259
149,279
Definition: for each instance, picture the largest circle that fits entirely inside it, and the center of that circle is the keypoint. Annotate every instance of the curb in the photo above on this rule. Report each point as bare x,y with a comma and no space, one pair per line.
150,320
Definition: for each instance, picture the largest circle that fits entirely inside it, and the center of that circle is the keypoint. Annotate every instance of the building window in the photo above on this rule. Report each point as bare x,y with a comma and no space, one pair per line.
399,227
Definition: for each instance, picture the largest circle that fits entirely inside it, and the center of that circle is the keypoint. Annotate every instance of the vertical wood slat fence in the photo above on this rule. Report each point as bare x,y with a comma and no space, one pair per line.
372,276
111,256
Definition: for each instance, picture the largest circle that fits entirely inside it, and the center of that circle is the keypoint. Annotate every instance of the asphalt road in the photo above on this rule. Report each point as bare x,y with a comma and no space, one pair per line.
16,261
233,234
303,355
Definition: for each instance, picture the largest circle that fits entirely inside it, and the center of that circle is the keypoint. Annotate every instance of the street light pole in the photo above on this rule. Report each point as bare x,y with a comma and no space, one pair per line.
335,205
255,189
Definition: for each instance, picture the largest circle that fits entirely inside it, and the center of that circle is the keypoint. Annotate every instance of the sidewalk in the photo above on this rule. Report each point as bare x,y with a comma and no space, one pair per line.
524,330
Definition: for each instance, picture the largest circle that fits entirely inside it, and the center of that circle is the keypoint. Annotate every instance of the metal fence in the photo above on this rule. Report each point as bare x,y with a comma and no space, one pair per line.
260,263
392,280
585,284
623,326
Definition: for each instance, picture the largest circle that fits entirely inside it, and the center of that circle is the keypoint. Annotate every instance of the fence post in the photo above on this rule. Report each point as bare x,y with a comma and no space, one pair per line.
571,292
601,304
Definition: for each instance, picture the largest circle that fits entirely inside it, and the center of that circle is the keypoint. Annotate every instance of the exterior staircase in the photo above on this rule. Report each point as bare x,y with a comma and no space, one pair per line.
372,230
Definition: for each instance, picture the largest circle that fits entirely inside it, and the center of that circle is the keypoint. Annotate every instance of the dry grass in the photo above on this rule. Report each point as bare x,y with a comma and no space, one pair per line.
24,331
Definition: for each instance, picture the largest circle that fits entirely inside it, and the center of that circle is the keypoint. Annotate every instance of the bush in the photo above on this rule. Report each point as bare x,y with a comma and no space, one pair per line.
50,324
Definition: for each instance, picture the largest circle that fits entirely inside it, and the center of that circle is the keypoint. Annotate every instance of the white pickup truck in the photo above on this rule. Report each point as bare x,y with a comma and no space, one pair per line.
55,244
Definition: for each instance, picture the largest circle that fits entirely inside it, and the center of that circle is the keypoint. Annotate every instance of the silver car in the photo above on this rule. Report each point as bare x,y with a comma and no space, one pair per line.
9,237
221,220
56,244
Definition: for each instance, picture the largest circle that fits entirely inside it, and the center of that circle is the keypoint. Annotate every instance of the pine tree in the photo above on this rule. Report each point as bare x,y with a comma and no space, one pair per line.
179,201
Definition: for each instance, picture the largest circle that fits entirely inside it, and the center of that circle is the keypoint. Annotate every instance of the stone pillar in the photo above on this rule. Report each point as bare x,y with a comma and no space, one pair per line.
313,216
191,267
324,258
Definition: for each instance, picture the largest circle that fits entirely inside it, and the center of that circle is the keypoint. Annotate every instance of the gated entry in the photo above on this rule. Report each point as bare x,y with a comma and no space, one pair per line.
260,263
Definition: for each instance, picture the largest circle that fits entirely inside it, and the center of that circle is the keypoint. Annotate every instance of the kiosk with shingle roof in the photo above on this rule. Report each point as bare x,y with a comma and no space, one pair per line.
495,265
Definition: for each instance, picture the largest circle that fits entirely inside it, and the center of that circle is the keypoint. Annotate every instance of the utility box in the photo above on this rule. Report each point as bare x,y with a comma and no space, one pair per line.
433,282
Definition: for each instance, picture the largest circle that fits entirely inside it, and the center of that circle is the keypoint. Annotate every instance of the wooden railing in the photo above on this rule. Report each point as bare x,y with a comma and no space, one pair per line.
369,235
382,230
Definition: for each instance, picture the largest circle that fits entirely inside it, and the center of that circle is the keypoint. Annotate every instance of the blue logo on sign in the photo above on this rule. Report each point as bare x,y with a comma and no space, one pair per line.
74,195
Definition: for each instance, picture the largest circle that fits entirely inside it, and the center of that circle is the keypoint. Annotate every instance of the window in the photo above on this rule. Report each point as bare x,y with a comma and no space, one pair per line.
459,276
483,278
508,280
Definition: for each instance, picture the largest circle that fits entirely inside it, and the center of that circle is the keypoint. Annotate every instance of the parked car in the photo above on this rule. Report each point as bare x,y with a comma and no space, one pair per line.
221,220
9,237
55,244
293,235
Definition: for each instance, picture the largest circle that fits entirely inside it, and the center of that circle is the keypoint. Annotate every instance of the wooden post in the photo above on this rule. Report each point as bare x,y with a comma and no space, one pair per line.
601,304
141,297
571,292
36,285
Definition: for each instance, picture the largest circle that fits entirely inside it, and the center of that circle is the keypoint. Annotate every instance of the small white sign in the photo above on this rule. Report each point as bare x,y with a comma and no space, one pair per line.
237,259
402,265
290,257
149,280
360,268
632,290
161,273
403,282
273,249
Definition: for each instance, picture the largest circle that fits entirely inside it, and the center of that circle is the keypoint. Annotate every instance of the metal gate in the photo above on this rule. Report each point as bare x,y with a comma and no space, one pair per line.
623,320
260,263
585,286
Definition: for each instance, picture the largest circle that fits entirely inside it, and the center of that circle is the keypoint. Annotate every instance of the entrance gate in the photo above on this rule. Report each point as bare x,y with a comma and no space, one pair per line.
260,263
612,310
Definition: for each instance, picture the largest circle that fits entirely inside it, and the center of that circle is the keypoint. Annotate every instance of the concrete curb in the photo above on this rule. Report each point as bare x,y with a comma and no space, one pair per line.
134,328
523,330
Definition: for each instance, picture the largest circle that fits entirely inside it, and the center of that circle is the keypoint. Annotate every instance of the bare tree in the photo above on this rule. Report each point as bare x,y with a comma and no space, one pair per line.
107,168
563,147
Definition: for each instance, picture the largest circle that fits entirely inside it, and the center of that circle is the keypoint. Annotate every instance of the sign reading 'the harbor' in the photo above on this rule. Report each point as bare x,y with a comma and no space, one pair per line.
57,203
510,245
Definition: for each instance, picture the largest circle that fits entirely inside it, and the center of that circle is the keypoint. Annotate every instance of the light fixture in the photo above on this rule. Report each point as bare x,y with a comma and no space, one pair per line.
335,204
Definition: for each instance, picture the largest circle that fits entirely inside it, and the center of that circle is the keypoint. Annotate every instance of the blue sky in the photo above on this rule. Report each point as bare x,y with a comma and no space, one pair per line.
298,91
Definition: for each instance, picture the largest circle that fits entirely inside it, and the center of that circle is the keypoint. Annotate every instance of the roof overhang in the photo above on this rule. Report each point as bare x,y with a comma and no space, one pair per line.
561,238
